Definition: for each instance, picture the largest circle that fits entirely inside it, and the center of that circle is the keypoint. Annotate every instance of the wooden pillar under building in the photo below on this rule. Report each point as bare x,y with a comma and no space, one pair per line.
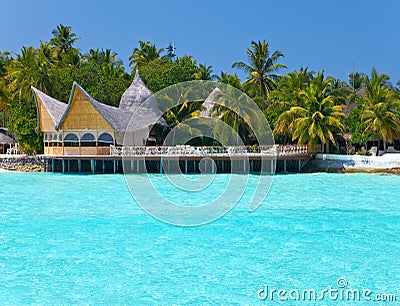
93,165
272,166
52,165
79,165
186,166
223,166
299,165
68,165
284,165
160,166
104,166
115,166
63,165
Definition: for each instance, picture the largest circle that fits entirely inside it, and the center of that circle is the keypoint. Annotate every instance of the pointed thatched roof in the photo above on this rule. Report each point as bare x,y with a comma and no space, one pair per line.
140,102
135,95
55,108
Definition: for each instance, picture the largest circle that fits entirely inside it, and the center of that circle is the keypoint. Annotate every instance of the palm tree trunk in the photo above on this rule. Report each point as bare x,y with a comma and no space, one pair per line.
384,145
379,144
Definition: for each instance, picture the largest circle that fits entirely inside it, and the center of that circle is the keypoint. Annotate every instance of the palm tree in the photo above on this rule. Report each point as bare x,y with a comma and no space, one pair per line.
4,100
106,59
286,96
30,68
317,118
63,39
178,106
237,111
144,54
357,80
230,79
204,72
262,67
379,112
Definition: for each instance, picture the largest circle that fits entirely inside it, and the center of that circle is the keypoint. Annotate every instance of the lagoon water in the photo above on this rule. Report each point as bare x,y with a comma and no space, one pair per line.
81,239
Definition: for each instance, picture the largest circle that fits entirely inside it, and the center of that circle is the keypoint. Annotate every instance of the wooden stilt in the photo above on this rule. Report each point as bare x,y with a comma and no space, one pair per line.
93,165
186,165
115,166
79,165
104,166
63,166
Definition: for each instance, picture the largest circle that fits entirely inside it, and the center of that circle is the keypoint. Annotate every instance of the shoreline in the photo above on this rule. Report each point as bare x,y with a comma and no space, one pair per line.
21,163
394,171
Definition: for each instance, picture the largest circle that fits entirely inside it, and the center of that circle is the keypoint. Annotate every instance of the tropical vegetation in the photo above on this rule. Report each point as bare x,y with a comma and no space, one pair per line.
301,106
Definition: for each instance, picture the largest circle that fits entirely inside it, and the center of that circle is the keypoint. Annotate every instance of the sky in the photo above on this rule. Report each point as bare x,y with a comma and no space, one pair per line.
338,36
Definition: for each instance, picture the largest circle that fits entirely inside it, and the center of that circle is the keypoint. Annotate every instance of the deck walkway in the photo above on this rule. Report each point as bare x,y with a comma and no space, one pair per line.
187,159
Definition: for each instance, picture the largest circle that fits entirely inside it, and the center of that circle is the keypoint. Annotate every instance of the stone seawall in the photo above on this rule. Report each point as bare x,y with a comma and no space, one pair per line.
22,163
389,162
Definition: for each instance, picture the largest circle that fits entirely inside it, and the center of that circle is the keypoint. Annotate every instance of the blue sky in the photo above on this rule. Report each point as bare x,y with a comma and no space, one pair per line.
323,35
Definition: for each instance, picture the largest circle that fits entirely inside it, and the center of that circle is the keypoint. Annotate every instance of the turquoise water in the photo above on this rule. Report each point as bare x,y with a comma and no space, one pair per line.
69,239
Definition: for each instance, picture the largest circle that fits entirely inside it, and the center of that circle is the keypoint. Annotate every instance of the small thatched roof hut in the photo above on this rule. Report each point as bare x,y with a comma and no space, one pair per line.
4,139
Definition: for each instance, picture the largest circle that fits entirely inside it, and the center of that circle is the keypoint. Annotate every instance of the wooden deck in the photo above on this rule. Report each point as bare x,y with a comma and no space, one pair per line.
188,159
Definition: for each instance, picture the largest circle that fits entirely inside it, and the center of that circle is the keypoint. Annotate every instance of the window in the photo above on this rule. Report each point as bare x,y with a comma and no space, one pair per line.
88,140
105,140
71,140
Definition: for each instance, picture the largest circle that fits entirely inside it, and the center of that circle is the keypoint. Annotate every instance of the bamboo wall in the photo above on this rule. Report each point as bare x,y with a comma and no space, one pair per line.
83,115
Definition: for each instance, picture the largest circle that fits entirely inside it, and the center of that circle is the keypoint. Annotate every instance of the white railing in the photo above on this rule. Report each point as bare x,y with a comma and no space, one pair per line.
186,150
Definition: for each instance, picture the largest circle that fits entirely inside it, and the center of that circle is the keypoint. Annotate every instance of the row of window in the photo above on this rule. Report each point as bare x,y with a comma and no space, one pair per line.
88,137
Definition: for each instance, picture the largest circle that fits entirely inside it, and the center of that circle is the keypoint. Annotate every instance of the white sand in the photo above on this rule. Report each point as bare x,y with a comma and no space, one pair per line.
5,170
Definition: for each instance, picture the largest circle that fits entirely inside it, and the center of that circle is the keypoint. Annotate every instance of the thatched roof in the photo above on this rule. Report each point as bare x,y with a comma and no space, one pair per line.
4,139
114,116
137,102
145,115
55,108
140,102
135,95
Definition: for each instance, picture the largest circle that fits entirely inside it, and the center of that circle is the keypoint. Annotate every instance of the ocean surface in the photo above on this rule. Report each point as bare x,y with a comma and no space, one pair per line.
82,239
